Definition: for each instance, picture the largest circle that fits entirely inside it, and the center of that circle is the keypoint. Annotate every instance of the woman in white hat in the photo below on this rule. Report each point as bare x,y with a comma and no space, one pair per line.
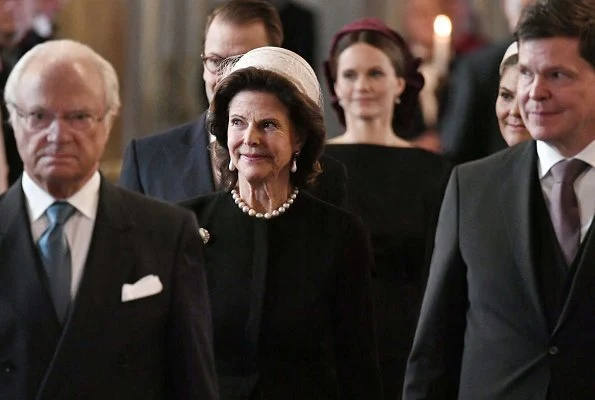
288,274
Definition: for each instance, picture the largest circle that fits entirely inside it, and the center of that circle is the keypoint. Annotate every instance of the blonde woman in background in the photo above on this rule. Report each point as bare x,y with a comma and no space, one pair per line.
511,125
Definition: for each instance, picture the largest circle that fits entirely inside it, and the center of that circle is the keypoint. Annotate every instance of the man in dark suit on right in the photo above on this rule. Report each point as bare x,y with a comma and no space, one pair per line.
509,306
177,164
469,127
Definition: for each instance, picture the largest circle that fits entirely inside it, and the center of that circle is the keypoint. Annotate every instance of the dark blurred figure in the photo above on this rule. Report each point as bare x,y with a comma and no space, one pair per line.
15,19
46,12
22,27
466,32
299,29
469,128
418,22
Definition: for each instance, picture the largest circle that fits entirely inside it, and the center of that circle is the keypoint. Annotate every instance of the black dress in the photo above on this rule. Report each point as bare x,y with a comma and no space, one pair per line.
291,301
397,192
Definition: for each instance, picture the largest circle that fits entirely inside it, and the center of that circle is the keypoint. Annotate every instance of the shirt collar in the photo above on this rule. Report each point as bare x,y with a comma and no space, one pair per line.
549,156
85,200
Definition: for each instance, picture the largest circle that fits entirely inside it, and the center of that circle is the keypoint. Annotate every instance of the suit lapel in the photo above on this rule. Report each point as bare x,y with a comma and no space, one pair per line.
23,283
190,161
518,177
109,262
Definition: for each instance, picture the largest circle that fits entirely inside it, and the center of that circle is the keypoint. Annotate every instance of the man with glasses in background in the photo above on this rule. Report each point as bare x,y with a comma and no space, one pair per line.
177,164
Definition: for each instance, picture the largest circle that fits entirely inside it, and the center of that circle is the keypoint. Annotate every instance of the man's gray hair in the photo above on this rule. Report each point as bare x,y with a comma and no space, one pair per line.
67,50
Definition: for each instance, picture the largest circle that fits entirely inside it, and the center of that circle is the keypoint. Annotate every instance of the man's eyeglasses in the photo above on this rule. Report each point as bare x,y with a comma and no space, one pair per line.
214,63
42,119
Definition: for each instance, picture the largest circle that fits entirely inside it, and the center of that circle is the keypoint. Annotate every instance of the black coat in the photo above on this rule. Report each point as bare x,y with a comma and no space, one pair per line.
9,59
291,301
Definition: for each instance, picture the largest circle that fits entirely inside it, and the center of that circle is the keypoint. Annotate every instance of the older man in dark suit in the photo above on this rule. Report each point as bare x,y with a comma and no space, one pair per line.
177,164
102,291
509,307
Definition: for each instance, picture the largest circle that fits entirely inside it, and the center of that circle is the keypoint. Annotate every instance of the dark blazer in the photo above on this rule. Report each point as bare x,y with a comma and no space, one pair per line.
15,165
157,347
176,165
291,301
469,128
299,30
483,332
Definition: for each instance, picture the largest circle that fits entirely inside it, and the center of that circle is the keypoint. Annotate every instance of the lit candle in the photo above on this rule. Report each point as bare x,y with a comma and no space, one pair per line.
442,38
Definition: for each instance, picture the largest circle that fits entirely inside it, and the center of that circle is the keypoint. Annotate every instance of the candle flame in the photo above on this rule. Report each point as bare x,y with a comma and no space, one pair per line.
442,26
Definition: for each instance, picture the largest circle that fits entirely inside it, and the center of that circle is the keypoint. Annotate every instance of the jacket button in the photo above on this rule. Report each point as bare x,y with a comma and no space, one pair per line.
123,360
7,367
553,350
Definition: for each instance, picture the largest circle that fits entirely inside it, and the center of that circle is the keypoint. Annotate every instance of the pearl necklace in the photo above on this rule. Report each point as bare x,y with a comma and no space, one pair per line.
253,213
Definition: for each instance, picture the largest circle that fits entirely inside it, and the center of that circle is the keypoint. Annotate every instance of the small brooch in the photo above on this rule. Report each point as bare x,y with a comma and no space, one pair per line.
204,234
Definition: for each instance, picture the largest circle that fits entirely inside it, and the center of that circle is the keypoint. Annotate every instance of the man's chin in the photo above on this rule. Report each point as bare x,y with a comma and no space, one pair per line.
58,173
540,133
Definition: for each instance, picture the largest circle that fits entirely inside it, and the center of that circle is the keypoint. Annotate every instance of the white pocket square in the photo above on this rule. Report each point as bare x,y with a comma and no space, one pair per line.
144,287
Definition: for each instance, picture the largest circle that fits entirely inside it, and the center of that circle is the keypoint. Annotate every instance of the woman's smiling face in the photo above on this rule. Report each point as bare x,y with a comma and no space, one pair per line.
261,137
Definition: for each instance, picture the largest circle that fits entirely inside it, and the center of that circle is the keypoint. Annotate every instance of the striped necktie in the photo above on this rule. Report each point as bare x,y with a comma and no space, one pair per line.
55,255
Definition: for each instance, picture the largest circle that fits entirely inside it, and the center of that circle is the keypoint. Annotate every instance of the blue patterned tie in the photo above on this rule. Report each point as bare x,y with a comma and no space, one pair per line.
55,255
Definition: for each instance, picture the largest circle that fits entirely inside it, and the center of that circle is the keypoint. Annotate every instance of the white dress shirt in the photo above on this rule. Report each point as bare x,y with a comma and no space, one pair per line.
78,229
584,185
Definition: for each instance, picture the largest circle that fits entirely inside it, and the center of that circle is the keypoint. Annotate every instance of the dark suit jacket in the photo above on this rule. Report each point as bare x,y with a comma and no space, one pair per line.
15,165
469,127
483,332
157,347
176,165
299,30
291,300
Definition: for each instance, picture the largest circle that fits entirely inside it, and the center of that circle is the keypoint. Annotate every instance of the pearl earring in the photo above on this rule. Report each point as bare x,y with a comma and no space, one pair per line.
397,100
231,166
294,162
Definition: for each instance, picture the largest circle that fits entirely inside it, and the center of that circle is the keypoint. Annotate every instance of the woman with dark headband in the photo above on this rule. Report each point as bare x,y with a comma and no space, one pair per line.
395,187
